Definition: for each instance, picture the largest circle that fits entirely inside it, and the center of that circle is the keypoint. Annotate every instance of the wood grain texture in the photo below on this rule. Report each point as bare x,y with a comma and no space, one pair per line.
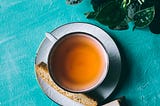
23,24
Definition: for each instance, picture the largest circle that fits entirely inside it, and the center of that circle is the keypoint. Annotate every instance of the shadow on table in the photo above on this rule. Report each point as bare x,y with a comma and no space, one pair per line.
125,74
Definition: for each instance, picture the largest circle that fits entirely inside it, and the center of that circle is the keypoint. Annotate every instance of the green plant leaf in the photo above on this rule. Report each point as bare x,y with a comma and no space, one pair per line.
122,26
111,14
133,7
144,17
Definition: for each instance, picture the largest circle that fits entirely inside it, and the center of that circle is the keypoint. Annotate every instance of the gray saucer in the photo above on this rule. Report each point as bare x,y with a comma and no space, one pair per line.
109,84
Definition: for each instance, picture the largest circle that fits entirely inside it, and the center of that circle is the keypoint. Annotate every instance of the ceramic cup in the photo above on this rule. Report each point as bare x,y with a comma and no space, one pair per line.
77,62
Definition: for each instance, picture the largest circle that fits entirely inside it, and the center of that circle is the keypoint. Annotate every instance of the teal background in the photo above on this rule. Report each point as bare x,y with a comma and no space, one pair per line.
23,24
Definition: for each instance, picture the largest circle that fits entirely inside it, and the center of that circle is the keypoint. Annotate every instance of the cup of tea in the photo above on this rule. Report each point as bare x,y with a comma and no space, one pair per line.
77,62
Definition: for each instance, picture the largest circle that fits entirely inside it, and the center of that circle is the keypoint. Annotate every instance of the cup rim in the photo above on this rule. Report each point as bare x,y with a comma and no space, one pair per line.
104,73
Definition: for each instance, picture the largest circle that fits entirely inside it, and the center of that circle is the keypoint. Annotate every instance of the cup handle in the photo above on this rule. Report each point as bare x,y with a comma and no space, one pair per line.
51,37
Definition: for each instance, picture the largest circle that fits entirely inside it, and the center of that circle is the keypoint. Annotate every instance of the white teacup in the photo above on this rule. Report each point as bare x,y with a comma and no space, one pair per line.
77,62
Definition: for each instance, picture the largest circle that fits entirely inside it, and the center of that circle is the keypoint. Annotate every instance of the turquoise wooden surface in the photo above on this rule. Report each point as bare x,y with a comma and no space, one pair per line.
22,27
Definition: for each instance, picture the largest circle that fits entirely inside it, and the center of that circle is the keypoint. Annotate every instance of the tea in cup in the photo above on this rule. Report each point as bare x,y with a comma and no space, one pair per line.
78,62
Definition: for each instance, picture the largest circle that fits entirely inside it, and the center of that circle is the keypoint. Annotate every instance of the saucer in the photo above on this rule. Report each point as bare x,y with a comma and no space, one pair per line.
103,91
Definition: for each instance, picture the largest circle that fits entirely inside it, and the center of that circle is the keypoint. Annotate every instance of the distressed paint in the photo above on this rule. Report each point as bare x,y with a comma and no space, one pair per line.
23,25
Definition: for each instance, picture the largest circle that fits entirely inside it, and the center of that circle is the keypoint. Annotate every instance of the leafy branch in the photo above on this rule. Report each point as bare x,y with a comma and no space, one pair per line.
116,14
